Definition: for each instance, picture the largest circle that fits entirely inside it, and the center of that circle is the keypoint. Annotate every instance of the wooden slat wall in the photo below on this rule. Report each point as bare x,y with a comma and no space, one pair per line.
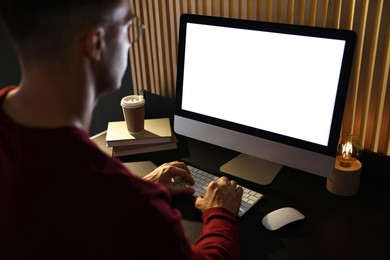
367,113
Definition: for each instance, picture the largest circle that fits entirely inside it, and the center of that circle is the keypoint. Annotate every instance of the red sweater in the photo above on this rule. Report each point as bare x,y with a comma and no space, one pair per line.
62,198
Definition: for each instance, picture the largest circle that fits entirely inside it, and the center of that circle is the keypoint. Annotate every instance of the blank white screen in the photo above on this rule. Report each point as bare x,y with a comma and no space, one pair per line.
281,83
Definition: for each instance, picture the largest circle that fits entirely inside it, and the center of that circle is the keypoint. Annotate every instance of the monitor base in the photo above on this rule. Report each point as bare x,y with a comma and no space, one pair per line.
252,169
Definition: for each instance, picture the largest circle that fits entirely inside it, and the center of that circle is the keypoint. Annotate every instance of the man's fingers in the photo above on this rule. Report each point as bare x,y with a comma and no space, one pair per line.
239,191
179,169
233,183
199,203
184,175
180,165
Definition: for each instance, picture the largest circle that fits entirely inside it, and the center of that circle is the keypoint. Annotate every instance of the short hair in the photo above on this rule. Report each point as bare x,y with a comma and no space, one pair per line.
42,28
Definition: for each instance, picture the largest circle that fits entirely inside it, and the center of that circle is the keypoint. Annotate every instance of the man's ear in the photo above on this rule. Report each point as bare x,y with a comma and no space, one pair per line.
95,42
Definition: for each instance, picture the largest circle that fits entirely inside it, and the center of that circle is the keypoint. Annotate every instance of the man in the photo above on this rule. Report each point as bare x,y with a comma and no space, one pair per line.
60,197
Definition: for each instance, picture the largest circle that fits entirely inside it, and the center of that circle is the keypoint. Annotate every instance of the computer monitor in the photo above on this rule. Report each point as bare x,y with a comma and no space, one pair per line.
273,92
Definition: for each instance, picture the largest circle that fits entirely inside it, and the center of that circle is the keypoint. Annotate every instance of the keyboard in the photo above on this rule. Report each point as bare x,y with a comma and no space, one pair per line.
202,180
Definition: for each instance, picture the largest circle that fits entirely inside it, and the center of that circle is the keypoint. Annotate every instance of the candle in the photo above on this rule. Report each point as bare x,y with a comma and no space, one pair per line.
346,176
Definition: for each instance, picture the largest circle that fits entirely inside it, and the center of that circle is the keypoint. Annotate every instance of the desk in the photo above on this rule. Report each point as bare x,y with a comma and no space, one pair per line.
334,228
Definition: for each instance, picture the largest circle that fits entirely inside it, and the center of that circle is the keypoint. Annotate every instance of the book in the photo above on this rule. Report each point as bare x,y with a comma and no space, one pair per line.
155,131
116,151
100,141
139,149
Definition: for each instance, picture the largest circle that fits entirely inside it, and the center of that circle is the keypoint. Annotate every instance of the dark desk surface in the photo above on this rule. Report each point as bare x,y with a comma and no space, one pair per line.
335,227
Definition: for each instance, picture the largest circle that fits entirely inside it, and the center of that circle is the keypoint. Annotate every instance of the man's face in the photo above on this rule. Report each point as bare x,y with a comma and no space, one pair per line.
115,55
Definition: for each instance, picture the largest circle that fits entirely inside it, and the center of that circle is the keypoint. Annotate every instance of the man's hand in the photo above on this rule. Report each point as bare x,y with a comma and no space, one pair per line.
224,193
166,172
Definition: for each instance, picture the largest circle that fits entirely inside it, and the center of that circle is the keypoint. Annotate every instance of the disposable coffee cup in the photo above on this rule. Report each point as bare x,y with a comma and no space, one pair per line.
133,107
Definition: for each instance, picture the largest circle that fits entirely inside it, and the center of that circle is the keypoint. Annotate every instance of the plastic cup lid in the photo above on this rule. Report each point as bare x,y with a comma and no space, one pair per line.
132,101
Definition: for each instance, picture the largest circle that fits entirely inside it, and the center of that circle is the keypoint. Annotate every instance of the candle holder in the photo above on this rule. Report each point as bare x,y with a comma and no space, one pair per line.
345,179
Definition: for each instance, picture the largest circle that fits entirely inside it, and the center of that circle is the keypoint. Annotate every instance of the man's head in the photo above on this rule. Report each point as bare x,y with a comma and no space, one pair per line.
43,30
44,27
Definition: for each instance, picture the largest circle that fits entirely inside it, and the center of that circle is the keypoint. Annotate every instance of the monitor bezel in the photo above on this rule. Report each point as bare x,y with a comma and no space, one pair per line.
346,35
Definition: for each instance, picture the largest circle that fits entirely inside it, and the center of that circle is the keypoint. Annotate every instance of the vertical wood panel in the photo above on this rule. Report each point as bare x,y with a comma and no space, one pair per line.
372,92
270,10
301,13
324,13
383,139
313,13
352,110
367,112
290,12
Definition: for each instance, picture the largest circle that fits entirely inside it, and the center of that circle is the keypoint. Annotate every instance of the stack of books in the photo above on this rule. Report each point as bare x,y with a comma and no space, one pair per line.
156,136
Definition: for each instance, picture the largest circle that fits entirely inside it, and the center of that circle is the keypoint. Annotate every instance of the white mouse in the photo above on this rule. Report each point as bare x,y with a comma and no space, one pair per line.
281,217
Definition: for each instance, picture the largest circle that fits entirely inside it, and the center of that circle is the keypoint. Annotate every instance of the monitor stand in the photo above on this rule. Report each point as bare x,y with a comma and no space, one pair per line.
252,169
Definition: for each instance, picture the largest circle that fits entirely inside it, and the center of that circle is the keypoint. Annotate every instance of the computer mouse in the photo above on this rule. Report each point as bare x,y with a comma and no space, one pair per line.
281,217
